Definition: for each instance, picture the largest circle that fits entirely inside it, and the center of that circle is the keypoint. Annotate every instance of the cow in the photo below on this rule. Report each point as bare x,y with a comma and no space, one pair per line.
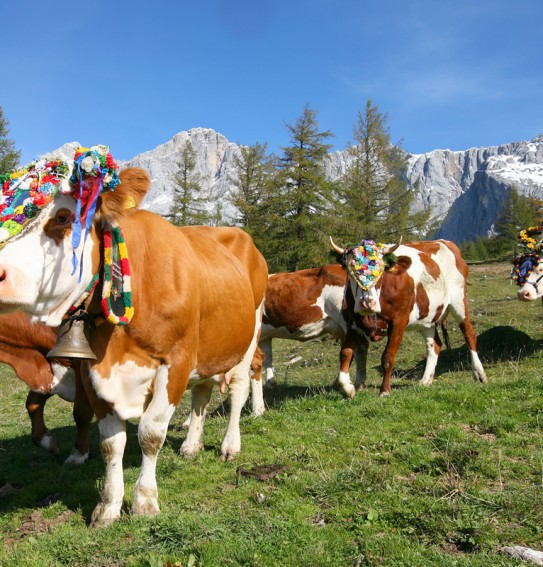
24,346
401,286
528,274
184,308
302,306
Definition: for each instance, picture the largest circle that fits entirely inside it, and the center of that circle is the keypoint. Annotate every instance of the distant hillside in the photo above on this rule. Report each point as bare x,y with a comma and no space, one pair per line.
465,189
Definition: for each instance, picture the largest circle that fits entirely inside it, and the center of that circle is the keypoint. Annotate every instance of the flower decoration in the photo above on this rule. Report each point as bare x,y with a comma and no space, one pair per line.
524,264
526,238
365,263
94,172
24,193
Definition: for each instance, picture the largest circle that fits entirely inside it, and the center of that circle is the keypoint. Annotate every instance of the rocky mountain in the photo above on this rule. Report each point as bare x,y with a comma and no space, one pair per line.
465,189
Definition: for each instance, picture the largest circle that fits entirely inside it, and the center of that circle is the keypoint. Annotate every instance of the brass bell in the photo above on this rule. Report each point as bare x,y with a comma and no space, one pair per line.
72,341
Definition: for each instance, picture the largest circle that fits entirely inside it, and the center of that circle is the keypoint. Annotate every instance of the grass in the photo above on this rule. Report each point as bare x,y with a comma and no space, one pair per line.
446,475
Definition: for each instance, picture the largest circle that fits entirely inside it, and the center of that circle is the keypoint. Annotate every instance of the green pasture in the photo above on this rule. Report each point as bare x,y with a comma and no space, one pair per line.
446,475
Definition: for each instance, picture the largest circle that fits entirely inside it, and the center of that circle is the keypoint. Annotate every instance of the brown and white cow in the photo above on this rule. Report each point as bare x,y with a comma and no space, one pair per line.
426,283
24,346
302,306
197,315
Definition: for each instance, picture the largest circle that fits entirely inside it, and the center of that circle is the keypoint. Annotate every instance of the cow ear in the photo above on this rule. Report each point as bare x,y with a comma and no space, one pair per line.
127,195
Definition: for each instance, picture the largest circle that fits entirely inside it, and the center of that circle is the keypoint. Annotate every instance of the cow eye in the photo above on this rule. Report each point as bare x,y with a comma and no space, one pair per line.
63,217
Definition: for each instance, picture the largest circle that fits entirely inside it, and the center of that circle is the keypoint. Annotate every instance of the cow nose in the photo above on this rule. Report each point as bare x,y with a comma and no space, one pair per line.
3,274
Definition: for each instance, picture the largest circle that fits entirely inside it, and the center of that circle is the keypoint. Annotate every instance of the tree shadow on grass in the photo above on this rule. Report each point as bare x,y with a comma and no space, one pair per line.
498,344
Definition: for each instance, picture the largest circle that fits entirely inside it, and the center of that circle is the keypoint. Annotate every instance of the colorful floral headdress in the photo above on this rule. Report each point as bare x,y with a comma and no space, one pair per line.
524,264
94,172
365,263
26,192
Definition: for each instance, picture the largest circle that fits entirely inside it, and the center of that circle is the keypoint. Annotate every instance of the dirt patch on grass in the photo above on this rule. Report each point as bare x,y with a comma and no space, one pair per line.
36,524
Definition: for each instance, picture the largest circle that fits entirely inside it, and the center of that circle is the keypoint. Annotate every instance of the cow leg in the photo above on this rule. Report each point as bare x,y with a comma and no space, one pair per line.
395,336
471,340
35,404
433,348
194,441
361,358
239,392
462,317
346,354
257,395
112,443
83,414
266,347
152,431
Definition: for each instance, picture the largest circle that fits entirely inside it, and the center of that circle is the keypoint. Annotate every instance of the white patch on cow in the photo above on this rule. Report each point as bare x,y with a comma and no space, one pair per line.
257,398
76,458
366,302
38,275
63,382
112,444
126,388
345,385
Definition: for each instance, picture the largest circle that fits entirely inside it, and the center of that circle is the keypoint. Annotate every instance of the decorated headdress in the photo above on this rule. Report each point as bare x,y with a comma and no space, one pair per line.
26,192
94,172
365,263
531,254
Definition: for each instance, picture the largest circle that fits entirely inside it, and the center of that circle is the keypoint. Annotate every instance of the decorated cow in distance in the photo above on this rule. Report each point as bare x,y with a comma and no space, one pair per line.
528,265
165,306
414,285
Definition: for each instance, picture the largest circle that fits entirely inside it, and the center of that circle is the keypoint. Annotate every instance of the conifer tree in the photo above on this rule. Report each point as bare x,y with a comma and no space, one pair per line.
373,197
299,199
517,212
189,199
9,157
252,168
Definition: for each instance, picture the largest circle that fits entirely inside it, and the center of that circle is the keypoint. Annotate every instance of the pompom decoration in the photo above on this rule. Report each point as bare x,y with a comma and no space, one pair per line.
365,263
94,172
26,192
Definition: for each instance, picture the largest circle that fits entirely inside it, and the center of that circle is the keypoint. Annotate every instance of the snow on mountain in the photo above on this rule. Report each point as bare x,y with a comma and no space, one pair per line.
464,189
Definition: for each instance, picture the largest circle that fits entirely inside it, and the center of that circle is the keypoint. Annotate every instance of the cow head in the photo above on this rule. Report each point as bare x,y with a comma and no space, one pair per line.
365,264
51,216
528,266
528,274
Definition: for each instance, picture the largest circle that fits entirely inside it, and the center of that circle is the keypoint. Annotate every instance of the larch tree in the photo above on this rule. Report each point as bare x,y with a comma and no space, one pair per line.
299,199
9,156
190,203
373,198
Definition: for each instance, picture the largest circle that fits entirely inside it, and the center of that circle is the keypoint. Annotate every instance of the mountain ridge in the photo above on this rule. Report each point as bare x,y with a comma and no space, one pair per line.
464,188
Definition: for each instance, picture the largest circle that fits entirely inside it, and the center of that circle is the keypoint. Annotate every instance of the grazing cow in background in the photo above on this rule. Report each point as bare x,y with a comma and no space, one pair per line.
24,346
302,306
426,282
193,309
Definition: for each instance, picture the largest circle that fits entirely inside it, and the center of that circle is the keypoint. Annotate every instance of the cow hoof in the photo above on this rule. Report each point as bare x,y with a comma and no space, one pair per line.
190,450
49,443
271,383
425,382
104,515
383,394
348,392
145,505
227,457
76,458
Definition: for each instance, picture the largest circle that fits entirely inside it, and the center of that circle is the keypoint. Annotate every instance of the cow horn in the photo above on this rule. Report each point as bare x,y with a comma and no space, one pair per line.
392,247
336,248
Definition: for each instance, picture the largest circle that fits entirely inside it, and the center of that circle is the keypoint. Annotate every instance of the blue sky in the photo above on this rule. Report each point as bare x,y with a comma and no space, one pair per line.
132,74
